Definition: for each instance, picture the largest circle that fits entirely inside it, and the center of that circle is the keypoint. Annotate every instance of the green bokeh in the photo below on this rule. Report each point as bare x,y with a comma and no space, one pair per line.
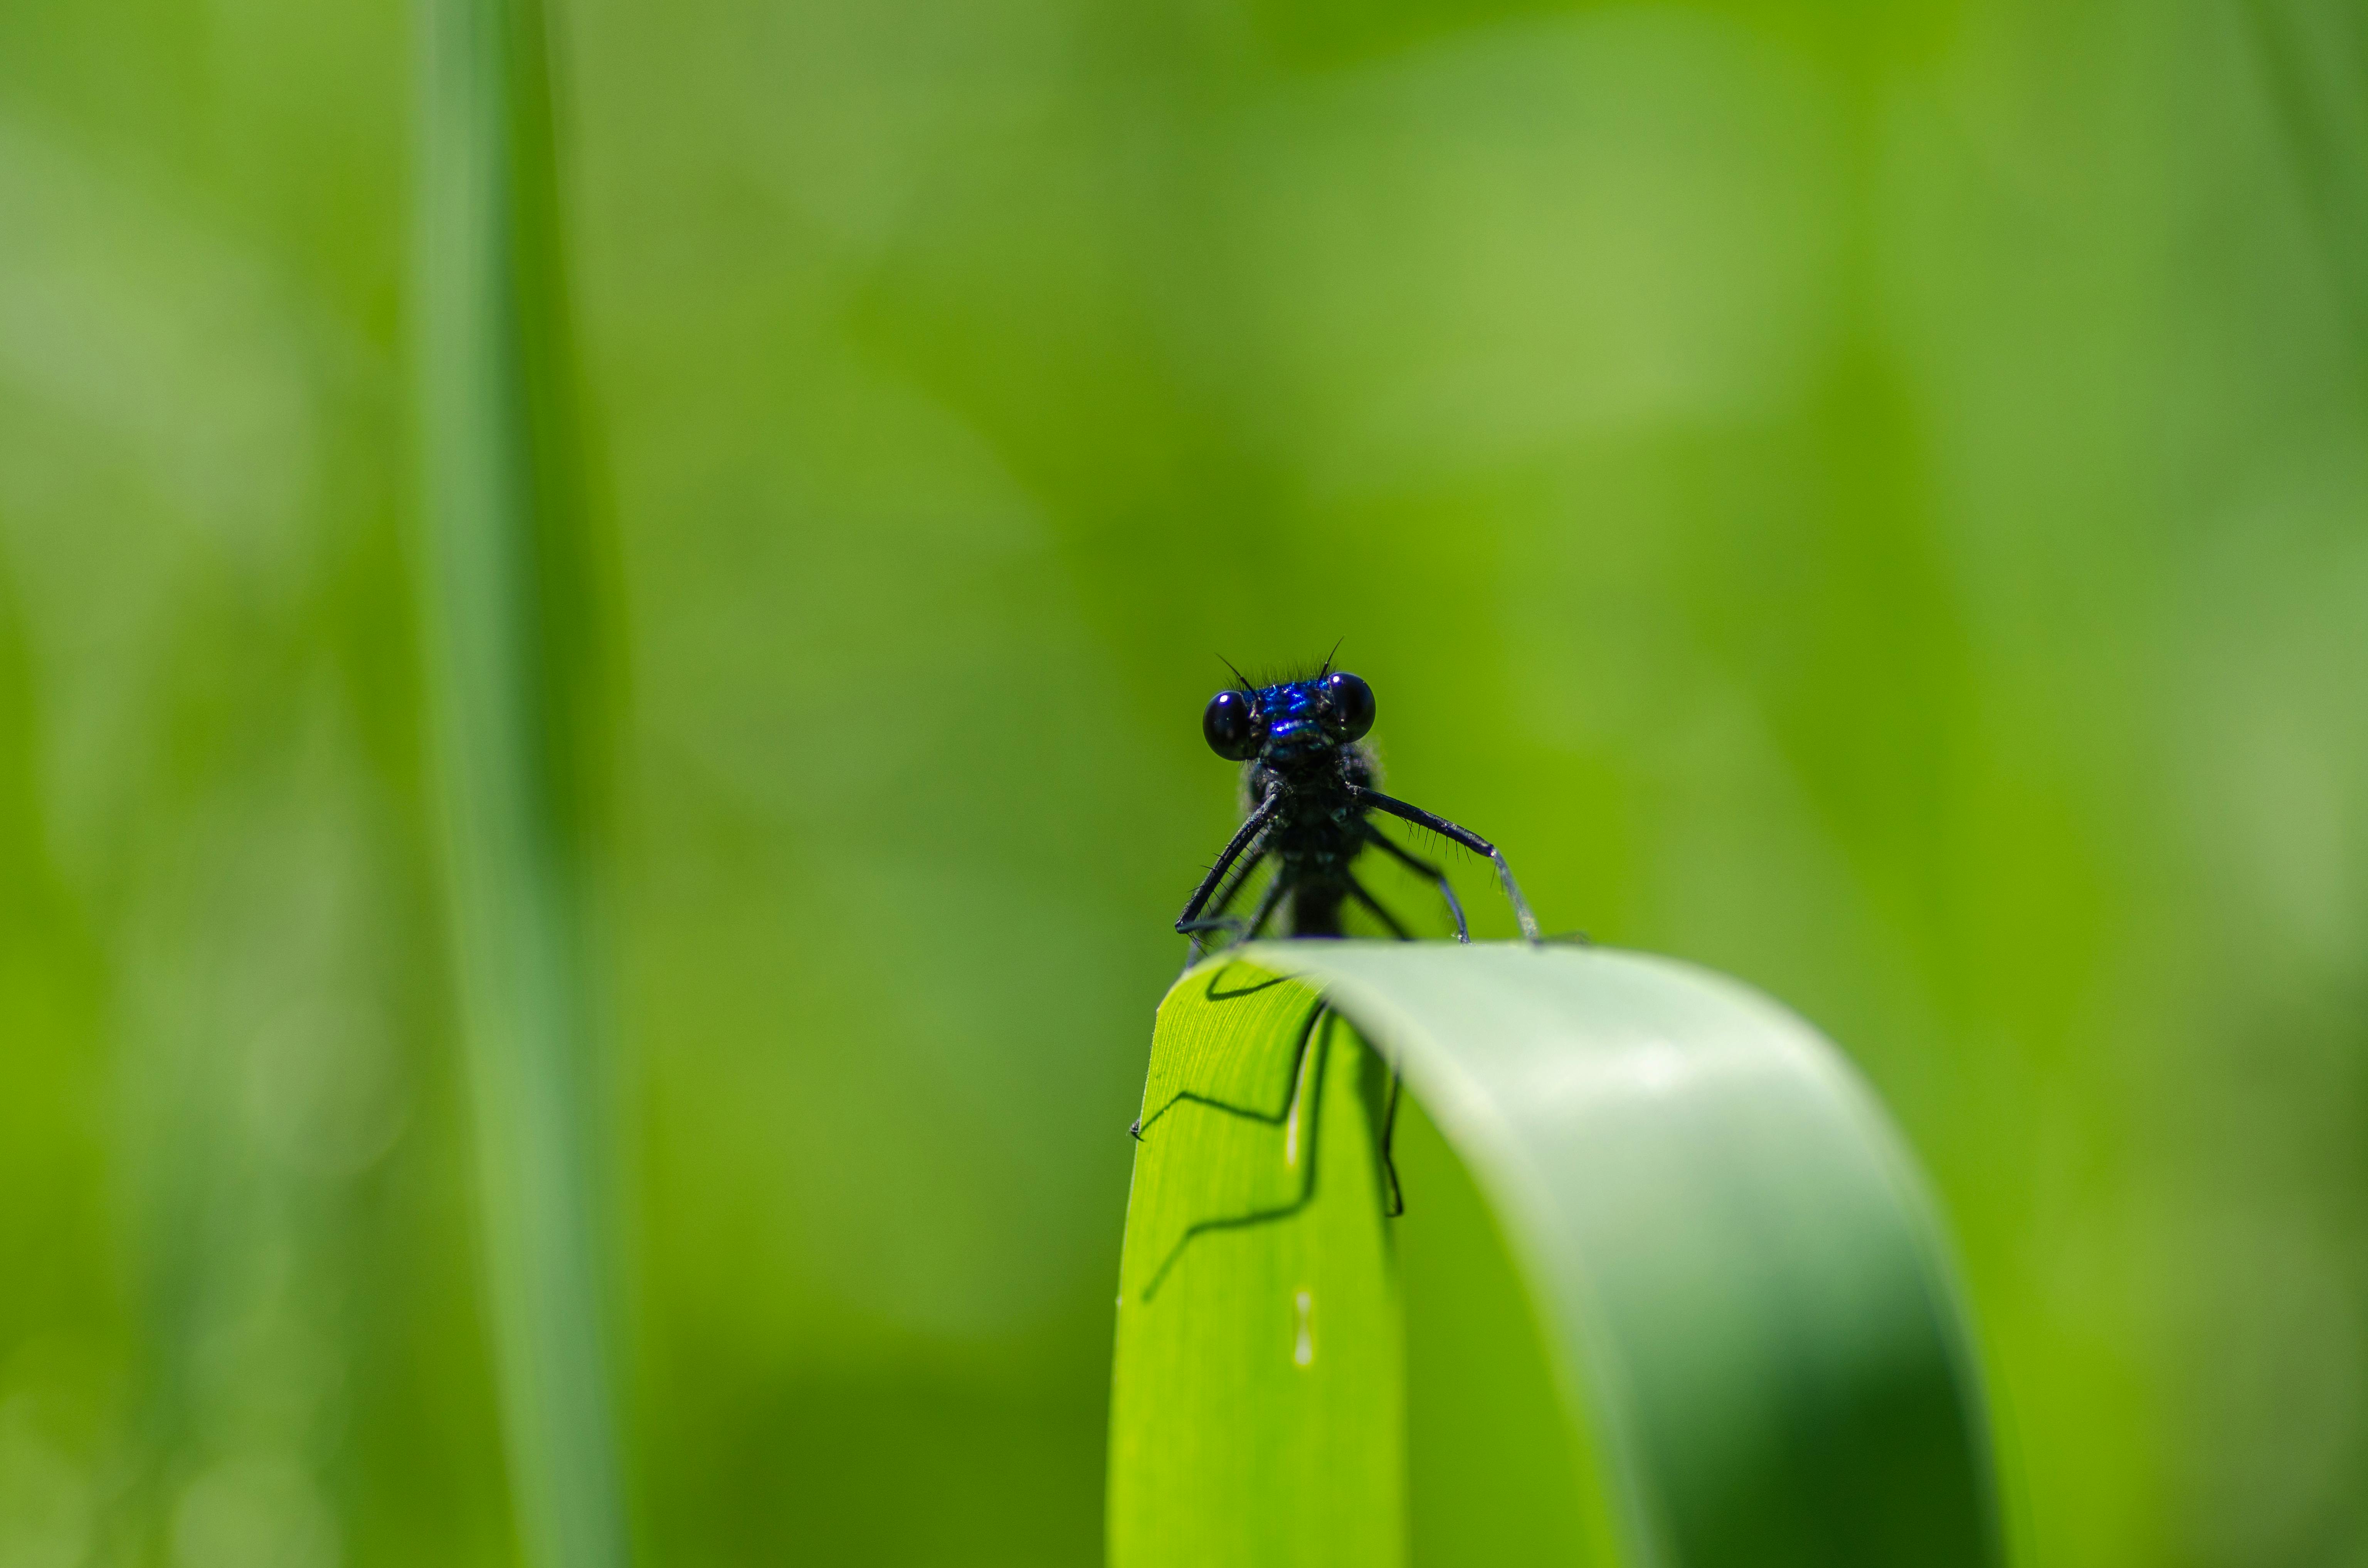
1868,498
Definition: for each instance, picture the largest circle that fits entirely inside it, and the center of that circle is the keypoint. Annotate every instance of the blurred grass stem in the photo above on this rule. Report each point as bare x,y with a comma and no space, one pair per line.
509,644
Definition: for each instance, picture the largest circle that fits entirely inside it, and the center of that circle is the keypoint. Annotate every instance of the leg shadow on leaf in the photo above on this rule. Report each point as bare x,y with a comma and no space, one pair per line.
1297,1119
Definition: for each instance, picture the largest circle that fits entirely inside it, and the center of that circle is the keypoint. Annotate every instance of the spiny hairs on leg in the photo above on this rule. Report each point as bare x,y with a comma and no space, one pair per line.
1470,840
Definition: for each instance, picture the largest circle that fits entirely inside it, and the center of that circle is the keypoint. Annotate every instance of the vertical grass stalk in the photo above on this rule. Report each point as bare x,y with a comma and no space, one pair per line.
512,653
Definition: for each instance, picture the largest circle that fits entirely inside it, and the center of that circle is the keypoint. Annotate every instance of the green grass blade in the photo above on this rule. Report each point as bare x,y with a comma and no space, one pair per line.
1254,1225
509,649
1736,1340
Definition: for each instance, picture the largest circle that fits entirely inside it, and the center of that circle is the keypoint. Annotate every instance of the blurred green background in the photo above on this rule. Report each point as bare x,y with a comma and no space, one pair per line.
1871,498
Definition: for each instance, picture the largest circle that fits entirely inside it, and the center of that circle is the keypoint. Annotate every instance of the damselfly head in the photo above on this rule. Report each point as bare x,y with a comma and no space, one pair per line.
1291,721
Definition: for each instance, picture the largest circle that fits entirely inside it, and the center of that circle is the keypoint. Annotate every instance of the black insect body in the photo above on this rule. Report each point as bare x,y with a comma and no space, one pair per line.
1308,796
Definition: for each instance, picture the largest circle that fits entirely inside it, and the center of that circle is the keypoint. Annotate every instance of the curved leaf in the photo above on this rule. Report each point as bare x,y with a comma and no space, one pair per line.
1668,1286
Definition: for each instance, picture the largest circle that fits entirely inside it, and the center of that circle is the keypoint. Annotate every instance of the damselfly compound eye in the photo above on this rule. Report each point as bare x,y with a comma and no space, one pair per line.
1348,707
1232,728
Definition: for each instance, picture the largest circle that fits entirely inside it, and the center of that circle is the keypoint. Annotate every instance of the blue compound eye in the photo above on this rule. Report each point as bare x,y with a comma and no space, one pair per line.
1347,708
1231,726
